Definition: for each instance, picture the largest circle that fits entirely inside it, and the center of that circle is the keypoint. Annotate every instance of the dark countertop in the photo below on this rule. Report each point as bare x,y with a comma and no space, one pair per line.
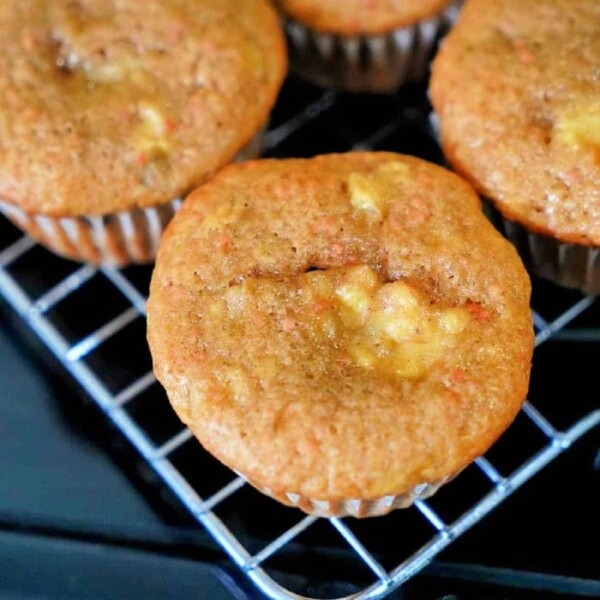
72,523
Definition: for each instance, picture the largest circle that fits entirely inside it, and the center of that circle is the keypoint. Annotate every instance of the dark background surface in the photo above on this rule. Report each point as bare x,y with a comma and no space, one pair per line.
82,517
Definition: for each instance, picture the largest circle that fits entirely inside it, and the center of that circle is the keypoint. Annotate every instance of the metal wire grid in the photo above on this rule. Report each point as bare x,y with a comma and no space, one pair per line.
34,311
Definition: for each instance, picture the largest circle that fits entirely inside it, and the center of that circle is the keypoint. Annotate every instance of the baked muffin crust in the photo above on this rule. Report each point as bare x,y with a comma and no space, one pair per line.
108,105
516,87
352,17
348,326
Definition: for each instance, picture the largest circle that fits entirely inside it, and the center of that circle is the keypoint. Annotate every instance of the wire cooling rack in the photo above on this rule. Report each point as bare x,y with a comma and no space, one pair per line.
102,345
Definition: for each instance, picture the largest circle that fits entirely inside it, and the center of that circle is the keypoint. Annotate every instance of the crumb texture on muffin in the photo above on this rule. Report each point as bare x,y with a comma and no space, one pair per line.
348,326
108,105
516,87
352,17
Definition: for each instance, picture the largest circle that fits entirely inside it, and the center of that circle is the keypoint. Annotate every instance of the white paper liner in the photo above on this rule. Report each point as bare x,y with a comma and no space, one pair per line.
116,239
355,507
122,238
367,63
569,265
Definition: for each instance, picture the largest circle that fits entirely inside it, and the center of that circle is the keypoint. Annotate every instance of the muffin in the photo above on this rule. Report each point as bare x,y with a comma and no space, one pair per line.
364,45
517,93
347,332
109,112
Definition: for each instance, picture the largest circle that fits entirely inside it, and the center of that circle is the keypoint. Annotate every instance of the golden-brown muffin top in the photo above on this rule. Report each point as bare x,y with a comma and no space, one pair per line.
352,17
347,326
516,86
109,104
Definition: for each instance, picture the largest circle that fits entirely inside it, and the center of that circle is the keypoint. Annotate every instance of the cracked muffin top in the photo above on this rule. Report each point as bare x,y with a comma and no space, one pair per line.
109,104
343,326
352,17
516,86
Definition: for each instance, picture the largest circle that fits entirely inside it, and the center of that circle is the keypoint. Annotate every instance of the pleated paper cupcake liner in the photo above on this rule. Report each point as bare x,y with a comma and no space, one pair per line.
569,265
355,507
367,63
130,236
